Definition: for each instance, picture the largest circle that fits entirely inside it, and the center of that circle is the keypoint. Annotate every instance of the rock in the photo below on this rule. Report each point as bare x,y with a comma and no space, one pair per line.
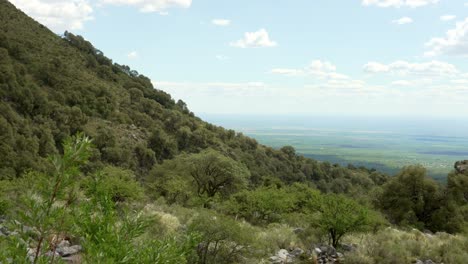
4,231
318,251
64,243
298,230
297,252
75,259
68,251
331,251
281,257
282,253
461,166
50,254
348,247
31,254
427,261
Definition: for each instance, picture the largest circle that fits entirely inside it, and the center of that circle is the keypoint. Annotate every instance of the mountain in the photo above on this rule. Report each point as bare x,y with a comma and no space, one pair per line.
99,166
55,86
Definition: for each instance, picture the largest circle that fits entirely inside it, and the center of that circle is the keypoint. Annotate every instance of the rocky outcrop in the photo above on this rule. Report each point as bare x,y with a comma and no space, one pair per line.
319,255
285,256
461,166
328,254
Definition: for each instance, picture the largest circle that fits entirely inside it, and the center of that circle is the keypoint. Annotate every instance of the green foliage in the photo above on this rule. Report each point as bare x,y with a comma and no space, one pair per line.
118,183
223,240
215,173
411,198
112,234
53,87
205,175
271,204
46,207
339,216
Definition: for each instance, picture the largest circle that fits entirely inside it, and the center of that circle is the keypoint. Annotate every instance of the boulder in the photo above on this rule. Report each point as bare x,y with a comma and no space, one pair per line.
281,257
461,166
68,251
297,252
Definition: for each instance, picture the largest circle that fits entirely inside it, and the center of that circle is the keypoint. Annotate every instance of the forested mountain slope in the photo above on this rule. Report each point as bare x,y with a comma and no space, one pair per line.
55,86
99,166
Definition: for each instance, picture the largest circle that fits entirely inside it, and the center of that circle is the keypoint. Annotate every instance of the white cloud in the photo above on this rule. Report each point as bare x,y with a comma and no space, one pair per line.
432,68
414,83
399,3
455,42
58,15
403,20
149,6
447,17
221,22
318,68
288,72
256,39
132,55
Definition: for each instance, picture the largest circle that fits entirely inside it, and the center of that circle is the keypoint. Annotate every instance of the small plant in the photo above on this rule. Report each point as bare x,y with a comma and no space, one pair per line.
46,208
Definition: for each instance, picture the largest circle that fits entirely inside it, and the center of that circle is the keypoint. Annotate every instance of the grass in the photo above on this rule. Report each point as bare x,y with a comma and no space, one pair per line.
397,246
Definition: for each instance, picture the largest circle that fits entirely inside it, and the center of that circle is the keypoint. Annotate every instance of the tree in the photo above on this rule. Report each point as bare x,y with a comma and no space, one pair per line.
340,215
411,197
215,173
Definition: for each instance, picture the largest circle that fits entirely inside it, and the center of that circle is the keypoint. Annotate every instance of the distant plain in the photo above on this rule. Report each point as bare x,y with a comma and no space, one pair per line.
384,143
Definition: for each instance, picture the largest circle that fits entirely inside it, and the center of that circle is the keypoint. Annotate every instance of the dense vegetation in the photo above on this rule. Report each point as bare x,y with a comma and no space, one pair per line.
91,151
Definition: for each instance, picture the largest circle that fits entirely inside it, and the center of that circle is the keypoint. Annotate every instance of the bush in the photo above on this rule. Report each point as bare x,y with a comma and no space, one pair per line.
119,184
223,240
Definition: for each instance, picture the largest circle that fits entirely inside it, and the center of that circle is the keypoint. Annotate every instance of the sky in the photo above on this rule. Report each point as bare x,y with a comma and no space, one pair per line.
284,57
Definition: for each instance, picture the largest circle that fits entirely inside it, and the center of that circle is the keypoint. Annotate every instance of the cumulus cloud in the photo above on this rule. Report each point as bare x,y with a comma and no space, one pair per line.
432,68
403,20
221,22
399,3
318,68
447,17
417,82
58,15
132,55
149,6
455,42
256,39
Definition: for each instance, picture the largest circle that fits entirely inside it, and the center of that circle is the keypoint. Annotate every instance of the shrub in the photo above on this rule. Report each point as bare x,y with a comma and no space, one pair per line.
223,240
119,184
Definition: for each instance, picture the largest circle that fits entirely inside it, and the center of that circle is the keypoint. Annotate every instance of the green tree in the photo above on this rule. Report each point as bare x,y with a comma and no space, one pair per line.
411,197
339,216
215,173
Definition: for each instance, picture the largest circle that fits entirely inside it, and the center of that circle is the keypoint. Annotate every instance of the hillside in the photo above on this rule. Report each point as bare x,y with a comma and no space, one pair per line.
53,87
99,166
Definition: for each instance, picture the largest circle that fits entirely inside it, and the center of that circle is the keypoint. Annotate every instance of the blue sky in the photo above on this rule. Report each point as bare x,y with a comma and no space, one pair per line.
327,57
